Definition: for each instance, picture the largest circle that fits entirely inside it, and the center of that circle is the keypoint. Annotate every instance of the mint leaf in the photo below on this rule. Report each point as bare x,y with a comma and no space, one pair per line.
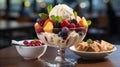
49,8
89,22
89,41
43,16
56,18
53,18
75,14
60,19
35,39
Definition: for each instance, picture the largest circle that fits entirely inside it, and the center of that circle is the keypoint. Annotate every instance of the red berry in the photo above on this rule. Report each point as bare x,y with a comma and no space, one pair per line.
31,43
72,26
47,16
64,23
25,42
38,43
42,44
78,25
84,30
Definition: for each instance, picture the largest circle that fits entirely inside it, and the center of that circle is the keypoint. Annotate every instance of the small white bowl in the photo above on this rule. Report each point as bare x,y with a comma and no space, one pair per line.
92,55
30,52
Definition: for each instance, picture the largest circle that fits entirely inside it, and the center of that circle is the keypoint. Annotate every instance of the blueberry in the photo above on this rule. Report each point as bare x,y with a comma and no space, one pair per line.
74,21
65,30
56,30
56,25
80,33
63,35
38,19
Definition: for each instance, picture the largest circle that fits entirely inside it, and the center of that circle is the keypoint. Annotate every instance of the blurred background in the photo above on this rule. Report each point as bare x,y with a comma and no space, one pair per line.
17,18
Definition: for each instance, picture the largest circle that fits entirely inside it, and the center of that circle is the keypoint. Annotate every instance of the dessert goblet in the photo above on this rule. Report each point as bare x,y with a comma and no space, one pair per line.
63,39
61,28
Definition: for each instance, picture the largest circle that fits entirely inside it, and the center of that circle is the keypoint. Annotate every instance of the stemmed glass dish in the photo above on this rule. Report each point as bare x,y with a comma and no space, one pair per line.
63,39
61,28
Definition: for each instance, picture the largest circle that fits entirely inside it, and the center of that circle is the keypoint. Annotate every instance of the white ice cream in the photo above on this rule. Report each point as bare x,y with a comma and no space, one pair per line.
62,10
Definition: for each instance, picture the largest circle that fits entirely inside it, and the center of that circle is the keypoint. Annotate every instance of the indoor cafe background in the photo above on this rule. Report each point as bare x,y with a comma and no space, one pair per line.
17,18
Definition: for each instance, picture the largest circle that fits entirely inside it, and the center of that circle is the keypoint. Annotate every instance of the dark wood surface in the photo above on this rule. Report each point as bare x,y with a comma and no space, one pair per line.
10,58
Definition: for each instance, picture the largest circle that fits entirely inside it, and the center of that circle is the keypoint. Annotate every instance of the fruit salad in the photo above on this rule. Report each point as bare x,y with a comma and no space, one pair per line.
61,27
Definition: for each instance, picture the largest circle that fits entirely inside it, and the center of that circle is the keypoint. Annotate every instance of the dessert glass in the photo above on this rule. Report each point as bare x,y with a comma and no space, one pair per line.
55,40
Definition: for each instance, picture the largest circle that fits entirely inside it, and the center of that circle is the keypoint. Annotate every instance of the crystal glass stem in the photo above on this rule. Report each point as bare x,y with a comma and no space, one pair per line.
60,58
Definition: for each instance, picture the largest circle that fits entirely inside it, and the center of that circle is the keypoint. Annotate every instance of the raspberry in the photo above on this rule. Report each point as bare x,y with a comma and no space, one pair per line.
31,43
78,25
25,42
64,23
72,26
37,43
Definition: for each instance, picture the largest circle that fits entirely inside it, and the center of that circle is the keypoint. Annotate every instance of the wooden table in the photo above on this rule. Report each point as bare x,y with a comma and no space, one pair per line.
10,58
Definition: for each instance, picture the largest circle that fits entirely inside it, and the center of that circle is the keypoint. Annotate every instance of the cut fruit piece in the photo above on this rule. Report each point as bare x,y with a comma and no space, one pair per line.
48,20
48,27
83,22
37,27
78,19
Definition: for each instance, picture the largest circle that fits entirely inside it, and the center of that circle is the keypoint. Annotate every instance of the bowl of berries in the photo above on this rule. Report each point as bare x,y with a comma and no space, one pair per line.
31,49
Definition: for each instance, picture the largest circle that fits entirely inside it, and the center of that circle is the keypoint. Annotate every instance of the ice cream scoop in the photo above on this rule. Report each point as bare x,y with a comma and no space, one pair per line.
62,10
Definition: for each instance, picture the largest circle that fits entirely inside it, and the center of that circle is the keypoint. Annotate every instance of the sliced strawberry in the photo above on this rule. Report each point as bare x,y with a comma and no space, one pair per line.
64,23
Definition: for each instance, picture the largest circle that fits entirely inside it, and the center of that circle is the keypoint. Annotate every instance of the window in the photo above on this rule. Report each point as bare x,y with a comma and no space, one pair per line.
2,7
15,7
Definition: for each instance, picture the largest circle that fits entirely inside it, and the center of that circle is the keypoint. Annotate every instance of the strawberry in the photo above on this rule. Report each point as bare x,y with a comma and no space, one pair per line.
64,23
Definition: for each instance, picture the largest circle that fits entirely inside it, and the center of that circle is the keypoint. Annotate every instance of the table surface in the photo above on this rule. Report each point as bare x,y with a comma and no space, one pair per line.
10,58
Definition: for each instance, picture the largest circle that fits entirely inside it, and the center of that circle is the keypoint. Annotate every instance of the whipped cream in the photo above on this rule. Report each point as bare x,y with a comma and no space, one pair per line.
62,10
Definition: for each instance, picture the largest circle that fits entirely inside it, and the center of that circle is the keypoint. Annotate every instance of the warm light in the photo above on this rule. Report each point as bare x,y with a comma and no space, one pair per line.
83,5
106,1
27,4
39,1
43,5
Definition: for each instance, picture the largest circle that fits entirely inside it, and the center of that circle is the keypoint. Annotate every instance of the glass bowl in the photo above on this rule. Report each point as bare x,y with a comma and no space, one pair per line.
62,39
